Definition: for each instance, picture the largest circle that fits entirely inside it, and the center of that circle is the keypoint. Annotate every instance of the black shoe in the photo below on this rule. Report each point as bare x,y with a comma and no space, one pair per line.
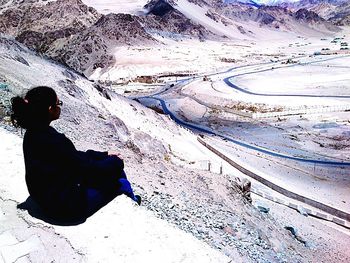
138,199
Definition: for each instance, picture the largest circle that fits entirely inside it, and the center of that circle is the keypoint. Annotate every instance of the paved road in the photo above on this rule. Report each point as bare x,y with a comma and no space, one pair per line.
248,146
183,81
240,143
229,83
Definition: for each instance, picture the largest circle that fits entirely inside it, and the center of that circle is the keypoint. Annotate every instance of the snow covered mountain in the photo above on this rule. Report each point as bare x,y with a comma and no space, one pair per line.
78,35
286,2
176,193
335,11
63,43
265,2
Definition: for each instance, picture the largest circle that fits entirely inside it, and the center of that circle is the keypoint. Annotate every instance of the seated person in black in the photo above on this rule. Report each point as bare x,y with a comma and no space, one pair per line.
66,183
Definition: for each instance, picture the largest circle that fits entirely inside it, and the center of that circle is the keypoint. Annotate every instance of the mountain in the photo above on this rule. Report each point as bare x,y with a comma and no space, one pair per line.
334,11
165,20
91,48
61,43
265,2
341,15
287,2
79,36
278,17
146,141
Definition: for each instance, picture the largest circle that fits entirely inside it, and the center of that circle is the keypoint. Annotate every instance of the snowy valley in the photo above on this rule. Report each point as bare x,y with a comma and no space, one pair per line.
198,97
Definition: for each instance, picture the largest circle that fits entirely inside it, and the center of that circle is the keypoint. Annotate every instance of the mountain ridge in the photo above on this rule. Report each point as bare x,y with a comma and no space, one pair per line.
79,36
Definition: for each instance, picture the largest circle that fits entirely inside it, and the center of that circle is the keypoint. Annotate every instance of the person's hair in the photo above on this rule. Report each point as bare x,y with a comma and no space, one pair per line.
33,110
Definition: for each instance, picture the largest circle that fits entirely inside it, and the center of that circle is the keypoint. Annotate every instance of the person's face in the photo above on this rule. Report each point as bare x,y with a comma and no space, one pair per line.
55,110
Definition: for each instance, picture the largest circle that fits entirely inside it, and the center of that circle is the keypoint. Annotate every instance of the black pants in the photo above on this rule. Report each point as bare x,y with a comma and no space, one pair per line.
84,199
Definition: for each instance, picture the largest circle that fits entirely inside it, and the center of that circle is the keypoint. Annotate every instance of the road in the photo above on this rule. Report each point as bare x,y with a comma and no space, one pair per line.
228,81
209,131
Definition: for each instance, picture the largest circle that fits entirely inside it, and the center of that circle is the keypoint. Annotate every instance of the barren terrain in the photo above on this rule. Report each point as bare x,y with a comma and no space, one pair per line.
271,103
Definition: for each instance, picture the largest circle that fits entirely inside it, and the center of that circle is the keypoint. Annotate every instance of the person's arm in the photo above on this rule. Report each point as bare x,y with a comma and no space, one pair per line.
96,155
83,162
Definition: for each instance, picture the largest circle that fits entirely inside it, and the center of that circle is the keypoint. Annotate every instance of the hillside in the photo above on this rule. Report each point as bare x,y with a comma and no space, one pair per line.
91,51
162,161
72,32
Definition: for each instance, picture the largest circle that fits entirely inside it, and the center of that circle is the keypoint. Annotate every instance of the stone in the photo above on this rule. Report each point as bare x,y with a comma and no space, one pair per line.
291,229
302,211
263,209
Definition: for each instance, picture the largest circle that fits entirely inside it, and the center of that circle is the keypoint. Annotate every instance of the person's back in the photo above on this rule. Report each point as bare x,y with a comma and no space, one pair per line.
65,182
50,176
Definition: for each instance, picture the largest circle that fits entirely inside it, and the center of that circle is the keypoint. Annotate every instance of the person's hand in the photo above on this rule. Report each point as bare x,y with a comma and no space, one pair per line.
111,153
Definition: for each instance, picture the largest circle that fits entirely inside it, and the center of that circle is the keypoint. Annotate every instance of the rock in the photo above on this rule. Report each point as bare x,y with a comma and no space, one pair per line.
22,60
245,185
301,239
69,74
296,235
159,8
71,88
4,87
102,90
306,15
302,211
263,209
229,230
291,229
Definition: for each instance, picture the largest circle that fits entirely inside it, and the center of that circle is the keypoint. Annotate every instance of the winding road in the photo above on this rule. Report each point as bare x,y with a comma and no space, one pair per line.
229,83
240,143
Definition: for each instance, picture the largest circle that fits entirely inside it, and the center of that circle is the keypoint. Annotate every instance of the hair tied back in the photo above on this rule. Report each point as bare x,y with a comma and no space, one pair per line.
31,110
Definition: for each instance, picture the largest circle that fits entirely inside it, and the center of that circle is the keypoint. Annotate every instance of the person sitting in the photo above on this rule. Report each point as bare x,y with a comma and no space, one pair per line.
65,182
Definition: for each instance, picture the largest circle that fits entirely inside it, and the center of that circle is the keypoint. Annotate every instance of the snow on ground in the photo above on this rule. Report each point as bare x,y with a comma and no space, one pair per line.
228,97
308,130
288,135
196,57
120,6
313,136
164,136
317,136
12,183
313,233
328,185
313,79
179,142
187,56
218,93
198,14
121,231
192,56
133,234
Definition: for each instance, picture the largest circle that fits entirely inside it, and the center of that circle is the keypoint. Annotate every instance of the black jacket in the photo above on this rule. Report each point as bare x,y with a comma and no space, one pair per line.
57,173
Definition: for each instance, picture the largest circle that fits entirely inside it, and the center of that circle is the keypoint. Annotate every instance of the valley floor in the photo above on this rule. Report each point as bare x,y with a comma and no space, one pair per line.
284,78
205,217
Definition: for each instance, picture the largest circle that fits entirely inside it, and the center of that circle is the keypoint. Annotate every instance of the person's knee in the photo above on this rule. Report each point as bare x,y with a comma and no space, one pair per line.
123,175
124,183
